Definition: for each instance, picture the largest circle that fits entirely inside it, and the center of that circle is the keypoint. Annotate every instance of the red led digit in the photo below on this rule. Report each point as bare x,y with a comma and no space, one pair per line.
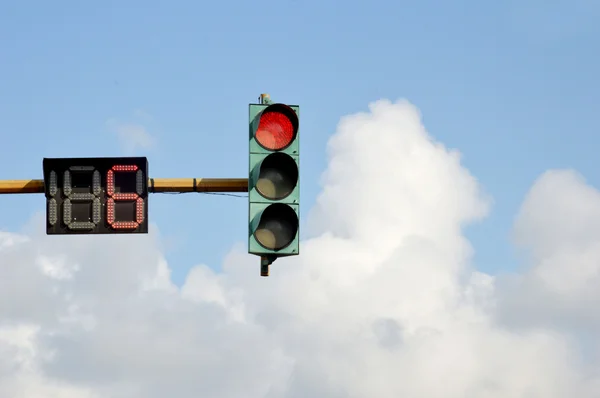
125,168
122,197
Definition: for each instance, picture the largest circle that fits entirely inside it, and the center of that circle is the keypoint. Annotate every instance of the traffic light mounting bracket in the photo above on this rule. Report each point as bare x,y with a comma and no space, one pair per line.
265,262
265,99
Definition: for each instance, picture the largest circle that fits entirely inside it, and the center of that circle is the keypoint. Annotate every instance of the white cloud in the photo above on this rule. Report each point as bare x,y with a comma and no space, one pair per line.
382,302
559,229
132,136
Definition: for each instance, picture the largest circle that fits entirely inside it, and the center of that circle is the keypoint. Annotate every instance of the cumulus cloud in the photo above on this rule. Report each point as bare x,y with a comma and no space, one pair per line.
558,230
383,301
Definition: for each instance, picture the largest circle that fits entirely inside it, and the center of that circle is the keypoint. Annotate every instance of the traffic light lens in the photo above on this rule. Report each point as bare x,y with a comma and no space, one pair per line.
277,227
278,176
277,127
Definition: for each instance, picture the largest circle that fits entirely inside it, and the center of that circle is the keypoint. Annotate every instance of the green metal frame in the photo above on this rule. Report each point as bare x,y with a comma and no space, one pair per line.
256,203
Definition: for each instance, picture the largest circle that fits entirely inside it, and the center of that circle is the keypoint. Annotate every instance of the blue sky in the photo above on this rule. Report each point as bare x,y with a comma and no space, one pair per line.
512,85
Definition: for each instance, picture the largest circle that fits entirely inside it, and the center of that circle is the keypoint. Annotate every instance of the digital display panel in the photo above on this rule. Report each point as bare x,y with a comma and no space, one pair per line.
96,195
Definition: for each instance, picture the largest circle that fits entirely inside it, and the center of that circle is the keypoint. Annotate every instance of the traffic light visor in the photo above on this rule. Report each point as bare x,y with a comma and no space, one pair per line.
277,176
277,228
277,127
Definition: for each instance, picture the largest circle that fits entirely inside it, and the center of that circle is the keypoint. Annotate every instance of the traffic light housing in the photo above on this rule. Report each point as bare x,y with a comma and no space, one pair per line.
273,181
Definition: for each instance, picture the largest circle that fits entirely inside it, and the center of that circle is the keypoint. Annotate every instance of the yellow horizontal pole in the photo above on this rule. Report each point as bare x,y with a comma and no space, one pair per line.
154,185
21,186
198,185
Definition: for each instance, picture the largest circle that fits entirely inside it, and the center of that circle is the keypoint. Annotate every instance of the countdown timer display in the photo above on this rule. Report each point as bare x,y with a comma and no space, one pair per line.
96,195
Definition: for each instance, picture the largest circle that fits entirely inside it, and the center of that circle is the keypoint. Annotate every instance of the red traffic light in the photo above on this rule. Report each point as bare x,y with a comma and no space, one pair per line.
277,127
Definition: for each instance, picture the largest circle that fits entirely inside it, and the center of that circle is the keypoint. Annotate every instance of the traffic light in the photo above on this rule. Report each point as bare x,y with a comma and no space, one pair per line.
273,182
96,195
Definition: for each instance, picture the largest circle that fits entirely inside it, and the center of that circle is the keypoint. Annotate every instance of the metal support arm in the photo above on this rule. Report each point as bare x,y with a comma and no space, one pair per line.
154,185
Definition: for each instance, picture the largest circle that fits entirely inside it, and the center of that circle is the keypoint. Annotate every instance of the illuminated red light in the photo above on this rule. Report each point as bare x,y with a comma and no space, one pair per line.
139,210
125,168
125,225
110,211
125,196
110,182
275,130
122,197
